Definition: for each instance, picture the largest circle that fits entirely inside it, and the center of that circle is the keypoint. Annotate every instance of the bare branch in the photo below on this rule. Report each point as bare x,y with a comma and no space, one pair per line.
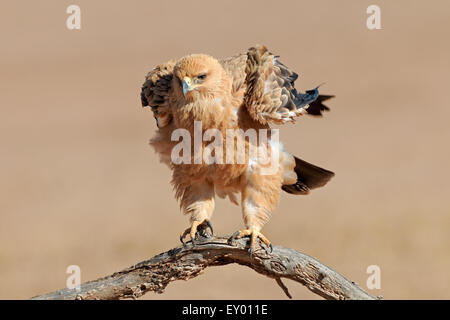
186,262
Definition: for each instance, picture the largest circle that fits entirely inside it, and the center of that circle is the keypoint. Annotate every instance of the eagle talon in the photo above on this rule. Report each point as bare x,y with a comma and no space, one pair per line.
253,234
194,230
232,238
269,248
203,230
208,223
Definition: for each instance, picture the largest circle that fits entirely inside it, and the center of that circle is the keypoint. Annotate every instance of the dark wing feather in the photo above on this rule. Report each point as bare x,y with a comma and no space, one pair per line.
155,92
317,107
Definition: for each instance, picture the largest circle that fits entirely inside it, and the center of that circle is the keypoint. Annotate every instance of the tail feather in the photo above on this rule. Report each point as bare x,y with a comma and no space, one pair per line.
309,177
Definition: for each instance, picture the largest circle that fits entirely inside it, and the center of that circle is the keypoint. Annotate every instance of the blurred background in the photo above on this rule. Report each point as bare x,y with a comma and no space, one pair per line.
80,185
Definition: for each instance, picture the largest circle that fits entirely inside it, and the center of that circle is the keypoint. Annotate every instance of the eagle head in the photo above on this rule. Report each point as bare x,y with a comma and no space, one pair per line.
199,76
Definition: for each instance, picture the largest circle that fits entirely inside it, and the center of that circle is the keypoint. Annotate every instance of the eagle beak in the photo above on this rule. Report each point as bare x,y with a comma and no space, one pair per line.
186,83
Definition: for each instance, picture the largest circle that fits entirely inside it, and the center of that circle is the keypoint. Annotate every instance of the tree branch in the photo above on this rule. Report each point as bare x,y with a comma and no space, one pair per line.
188,261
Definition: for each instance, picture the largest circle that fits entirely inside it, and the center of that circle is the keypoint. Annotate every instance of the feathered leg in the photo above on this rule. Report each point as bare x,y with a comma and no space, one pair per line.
198,202
259,198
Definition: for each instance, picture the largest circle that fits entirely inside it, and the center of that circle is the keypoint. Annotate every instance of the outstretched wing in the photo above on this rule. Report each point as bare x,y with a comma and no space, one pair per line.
155,92
268,88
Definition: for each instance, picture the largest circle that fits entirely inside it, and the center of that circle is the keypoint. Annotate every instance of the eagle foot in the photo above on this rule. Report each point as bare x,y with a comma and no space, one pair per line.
197,228
253,234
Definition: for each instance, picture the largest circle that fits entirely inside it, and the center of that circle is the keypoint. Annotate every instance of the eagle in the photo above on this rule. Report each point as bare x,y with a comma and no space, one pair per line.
246,93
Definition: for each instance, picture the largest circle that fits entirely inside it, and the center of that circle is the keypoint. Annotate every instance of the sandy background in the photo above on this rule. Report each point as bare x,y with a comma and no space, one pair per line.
79,184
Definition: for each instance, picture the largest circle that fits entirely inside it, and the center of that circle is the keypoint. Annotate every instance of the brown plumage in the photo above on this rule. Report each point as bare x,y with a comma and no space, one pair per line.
246,92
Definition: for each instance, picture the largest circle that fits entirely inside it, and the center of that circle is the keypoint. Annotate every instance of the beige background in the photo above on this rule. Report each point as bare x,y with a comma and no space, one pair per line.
79,184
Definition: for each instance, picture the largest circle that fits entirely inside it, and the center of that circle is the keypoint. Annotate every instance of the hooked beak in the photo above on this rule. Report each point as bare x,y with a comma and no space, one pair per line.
186,83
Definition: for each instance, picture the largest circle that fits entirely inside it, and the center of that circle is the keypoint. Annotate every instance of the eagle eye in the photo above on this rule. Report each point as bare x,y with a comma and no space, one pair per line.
201,76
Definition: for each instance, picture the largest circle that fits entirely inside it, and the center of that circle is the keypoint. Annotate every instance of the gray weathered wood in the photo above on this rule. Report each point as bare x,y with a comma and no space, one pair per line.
186,262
